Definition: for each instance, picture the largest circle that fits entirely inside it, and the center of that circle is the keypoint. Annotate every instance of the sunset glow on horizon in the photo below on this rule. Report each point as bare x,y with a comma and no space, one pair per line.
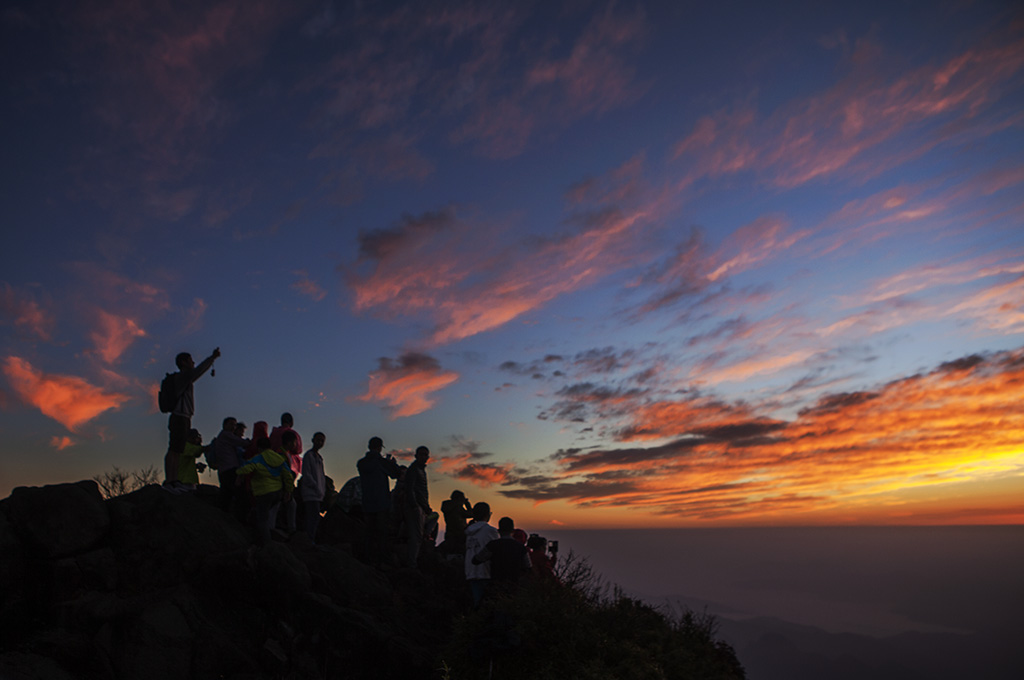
616,264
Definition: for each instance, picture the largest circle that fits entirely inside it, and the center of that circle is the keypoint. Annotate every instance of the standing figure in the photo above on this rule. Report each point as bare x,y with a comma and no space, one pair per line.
272,482
227,448
312,485
478,535
276,435
509,558
456,511
176,397
417,504
374,471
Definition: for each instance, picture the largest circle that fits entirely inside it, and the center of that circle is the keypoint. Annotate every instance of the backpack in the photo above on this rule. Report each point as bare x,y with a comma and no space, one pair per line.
167,398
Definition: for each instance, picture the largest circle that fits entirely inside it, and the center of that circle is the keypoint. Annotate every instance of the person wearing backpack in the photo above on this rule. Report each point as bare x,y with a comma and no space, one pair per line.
272,482
177,399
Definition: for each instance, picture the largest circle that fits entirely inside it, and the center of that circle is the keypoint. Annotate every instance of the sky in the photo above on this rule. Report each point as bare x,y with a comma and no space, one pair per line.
617,264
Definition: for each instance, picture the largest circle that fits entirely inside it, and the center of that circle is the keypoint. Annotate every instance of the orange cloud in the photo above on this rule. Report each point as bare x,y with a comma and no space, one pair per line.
114,335
406,385
61,443
858,456
69,400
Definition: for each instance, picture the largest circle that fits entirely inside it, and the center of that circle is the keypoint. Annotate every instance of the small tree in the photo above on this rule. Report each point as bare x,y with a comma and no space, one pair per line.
117,482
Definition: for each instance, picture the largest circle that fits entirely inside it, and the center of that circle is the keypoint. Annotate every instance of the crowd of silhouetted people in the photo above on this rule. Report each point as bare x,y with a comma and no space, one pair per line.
268,482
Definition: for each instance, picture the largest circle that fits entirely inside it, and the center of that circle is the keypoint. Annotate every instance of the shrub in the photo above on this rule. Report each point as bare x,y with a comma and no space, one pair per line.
117,482
584,629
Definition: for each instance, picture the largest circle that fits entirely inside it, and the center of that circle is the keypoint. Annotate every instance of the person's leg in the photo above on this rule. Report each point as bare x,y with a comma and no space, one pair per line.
477,588
414,528
289,514
226,478
178,427
311,512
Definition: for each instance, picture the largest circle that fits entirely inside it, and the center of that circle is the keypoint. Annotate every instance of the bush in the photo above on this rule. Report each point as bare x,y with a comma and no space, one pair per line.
117,482
584,629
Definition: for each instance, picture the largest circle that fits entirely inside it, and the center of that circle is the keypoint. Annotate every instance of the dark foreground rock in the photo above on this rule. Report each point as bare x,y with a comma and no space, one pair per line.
156,585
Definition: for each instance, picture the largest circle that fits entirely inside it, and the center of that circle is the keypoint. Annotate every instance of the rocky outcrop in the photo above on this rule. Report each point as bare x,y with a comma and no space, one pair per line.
158,585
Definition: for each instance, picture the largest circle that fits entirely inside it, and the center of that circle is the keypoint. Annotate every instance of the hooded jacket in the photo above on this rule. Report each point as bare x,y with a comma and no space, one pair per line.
270,473
478,535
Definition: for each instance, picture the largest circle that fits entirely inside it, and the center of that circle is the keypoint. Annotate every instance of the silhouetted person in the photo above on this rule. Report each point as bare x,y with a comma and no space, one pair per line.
374,471
180,420
312,485
456,511
509,558
478,535
290,450
417,504
542,565
287,425
227,456
188,467
272,482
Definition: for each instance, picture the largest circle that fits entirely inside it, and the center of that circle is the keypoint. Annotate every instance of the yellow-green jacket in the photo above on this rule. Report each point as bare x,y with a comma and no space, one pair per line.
187,473
270,473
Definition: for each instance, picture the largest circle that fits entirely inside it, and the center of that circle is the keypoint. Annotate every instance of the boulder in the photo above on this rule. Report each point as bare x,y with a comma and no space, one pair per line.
59,520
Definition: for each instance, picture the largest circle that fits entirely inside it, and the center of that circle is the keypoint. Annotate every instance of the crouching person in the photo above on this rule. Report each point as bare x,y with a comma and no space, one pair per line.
272,482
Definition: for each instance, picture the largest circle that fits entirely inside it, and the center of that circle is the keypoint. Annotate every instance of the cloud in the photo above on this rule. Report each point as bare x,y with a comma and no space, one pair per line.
851,126
194,316
849,456
25,314
69,400
307,287
61,443
471,277
406,385
114,335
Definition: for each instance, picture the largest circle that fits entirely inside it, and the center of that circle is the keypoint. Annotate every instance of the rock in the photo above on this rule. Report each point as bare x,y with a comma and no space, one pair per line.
19,666
60,519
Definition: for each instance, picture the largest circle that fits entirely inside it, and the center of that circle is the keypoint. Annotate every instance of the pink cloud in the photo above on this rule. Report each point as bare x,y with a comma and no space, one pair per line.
407,385
69,400
194,316
114,335
469,280
61,443
834,131
752,244
307,287
25,313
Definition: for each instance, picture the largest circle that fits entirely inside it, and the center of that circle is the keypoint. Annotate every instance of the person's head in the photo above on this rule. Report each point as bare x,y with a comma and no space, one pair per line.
263,443
520,536
319,440
506,526
194,437
290,441
376,444
537,543
458,496
287,420
240,429
481,512
228,424
184,360
260,430
422,454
